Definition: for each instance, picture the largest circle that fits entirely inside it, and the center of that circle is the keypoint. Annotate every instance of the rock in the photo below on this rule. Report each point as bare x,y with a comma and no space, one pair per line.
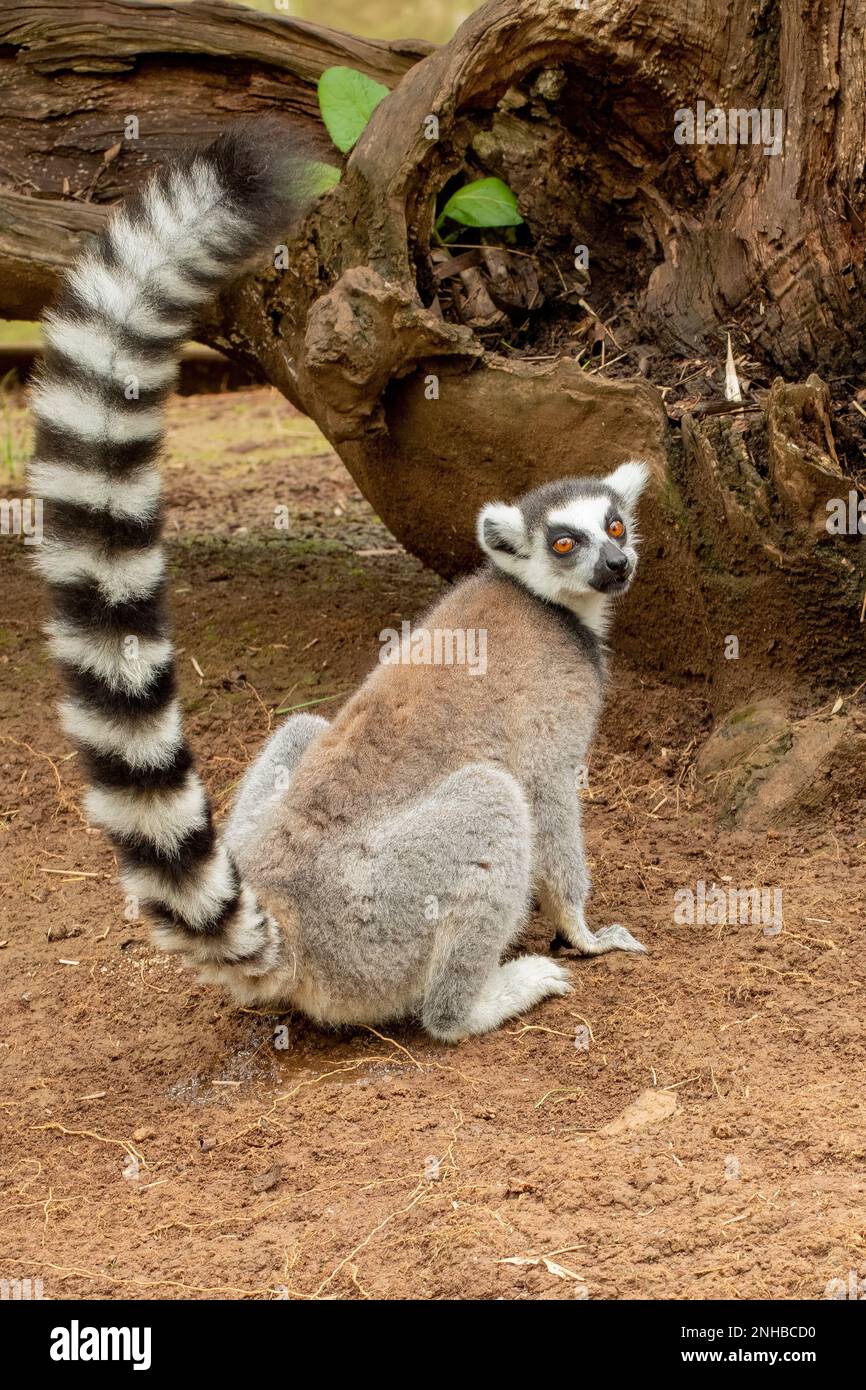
63,932
740,750
763,770
263,1182
650,1107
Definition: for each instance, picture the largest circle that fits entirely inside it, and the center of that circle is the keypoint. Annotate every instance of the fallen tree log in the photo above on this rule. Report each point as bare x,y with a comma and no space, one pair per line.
585,113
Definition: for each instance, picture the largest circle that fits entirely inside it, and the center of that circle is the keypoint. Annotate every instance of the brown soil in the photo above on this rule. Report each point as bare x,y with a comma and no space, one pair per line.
156,1143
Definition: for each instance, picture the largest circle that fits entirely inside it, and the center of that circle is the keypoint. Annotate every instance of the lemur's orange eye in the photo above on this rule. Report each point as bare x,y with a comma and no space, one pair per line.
563,545
616,529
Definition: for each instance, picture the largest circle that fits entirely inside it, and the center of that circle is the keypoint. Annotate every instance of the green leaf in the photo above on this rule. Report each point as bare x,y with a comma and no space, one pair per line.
487,203
318,178
347,100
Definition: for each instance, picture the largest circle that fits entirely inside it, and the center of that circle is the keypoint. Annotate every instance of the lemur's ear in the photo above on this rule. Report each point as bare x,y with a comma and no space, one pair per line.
629,481
500,530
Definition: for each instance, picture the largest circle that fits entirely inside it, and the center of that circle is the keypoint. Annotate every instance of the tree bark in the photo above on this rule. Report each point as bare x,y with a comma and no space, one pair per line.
577,109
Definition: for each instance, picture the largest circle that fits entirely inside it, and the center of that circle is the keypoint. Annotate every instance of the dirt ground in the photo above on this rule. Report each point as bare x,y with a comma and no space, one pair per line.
686,1124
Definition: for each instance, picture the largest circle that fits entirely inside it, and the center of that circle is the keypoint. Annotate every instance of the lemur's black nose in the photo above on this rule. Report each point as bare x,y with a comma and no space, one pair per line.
614,560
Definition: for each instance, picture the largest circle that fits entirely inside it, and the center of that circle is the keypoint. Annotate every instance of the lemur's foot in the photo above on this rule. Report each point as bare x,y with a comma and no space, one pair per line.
587,943
618,938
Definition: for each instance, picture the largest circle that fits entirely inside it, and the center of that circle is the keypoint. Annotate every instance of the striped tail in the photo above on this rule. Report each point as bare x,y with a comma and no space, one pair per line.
112,346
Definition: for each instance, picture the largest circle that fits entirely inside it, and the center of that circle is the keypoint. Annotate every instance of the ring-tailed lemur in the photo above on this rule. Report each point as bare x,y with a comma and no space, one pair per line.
379,866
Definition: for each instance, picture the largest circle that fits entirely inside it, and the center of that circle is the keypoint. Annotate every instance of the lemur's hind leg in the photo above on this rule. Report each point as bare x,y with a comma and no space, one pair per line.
267,780
477,826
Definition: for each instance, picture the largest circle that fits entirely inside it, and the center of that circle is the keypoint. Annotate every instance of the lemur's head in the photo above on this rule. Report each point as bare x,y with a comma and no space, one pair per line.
568,540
